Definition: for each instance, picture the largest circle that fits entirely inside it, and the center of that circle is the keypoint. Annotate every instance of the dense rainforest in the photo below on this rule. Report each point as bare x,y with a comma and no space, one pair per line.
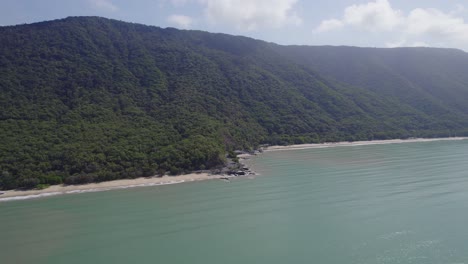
87,99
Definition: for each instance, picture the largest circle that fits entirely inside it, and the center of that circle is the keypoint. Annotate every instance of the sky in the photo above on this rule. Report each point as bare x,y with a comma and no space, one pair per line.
365,23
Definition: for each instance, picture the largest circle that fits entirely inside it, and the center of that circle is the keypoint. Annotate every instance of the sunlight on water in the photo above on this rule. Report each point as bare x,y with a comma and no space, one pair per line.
402,203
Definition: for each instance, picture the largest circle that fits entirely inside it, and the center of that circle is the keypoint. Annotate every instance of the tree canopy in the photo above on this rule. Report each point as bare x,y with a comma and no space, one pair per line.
87,99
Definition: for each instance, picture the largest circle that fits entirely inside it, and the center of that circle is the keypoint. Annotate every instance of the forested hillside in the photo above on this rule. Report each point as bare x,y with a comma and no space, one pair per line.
91,99
431,80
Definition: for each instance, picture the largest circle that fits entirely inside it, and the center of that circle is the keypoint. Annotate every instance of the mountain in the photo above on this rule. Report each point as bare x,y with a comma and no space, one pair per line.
431,80
92,99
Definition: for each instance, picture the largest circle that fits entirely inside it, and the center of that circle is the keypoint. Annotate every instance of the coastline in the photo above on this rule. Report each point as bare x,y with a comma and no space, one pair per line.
357,143
15,195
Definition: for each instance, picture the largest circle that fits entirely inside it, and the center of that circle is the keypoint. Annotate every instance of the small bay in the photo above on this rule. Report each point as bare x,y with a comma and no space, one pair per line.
390,203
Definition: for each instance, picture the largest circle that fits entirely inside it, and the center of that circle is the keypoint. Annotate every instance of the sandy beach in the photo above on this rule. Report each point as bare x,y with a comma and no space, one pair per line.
357,143
53,190
104,186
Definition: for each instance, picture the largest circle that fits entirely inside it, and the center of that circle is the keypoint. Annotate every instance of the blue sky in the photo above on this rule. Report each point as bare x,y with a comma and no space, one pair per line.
369,23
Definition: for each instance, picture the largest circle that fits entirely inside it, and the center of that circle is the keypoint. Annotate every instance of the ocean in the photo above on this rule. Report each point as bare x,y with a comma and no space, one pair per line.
390,203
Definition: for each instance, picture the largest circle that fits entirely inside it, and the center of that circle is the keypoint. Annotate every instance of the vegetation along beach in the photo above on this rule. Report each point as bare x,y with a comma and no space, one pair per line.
233,131
90,99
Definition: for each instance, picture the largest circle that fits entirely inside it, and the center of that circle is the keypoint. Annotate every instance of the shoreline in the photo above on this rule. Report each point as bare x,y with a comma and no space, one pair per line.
53,190
357,143
15,195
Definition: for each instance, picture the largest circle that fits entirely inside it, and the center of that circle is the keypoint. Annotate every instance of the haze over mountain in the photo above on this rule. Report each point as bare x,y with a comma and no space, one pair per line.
91,99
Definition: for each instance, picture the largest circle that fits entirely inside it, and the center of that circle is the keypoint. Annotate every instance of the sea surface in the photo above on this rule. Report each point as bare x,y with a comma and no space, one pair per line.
393,203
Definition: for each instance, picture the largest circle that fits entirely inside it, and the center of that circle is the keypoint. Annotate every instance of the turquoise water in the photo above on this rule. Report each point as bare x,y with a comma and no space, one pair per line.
395,203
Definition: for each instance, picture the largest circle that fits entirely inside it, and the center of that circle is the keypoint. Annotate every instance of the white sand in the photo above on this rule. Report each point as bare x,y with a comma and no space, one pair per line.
104,186
153,181
357,143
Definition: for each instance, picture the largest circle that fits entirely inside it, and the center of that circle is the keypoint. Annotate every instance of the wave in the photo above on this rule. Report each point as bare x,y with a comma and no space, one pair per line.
31,196
48,194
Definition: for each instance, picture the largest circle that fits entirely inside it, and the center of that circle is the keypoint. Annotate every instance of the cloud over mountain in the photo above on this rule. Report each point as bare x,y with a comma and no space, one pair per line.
421,25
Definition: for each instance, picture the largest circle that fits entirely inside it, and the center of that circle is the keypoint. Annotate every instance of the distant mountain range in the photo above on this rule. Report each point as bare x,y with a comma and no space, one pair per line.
92,99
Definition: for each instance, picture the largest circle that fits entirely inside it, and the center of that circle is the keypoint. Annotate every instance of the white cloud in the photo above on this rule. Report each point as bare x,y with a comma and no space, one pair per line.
436,25
104,5
405,43
245,15
373,16
248,15
180,21
420,27
419,44
459,9
329,25
395,44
